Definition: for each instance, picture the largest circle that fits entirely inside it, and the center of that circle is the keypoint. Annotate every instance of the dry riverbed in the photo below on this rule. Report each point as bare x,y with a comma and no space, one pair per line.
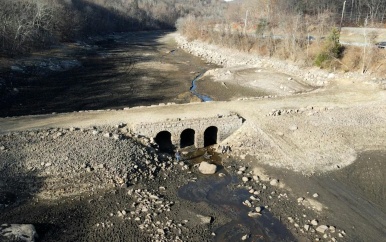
308,163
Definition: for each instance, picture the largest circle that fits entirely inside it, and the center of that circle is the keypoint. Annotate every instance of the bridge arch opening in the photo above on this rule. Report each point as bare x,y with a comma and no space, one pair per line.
187,138
210,136
164,141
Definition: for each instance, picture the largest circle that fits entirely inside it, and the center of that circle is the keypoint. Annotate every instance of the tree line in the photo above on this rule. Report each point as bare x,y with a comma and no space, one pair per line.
30,24
355,11
304,31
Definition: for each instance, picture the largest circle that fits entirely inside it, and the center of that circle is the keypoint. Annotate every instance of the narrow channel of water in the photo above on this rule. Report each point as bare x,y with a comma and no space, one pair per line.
193,90
217,192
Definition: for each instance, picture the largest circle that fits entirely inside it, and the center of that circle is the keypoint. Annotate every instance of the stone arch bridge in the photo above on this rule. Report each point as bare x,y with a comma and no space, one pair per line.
180,133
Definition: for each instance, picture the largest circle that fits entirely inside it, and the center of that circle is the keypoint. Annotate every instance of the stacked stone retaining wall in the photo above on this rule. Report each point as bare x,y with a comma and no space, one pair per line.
225,125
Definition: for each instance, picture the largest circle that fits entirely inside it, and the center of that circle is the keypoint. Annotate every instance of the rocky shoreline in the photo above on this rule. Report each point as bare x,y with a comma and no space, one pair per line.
229,58
130,184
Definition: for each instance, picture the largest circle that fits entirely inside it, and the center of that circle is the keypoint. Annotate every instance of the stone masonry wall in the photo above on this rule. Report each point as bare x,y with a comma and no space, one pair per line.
226,125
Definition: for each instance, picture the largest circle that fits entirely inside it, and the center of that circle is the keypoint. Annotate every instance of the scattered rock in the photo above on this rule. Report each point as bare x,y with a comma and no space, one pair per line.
314,222
332,229
258,209
117,136
253,214
221,175
274,182
306,227
205,219
245,237
321,228
247,203
243,168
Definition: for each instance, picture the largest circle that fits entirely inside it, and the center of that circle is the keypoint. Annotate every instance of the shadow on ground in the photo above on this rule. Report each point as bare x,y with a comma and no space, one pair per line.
107,78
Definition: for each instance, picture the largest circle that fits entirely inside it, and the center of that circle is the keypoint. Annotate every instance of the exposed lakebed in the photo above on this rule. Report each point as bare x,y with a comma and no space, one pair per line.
106,72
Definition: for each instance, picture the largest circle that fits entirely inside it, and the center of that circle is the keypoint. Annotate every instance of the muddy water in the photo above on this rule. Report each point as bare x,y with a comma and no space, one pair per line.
217,192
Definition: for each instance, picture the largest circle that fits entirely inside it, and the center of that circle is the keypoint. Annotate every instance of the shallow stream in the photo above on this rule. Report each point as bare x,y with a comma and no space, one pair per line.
218,192
193,90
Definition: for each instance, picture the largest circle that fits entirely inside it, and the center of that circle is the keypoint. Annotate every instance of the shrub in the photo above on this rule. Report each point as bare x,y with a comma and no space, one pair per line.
331,50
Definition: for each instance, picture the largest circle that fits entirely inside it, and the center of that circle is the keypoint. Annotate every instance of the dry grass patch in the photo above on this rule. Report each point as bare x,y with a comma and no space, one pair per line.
352,58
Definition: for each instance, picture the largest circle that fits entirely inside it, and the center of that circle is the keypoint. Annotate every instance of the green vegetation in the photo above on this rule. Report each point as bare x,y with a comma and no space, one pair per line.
331,50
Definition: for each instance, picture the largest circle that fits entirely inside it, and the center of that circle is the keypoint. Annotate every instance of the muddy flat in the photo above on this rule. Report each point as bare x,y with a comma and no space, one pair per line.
117,71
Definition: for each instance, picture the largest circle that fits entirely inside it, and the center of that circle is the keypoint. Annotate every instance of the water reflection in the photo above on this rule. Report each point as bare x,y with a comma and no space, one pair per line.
217,192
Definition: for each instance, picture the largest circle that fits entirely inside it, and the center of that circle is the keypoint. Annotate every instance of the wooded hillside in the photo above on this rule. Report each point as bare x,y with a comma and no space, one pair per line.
31,24
305,31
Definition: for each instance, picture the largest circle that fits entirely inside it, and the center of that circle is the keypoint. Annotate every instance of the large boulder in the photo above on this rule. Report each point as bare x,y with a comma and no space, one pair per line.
205,219
18,232
207,168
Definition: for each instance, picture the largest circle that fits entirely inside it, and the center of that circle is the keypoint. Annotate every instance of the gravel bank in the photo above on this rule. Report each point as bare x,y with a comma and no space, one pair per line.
230,58
103,183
